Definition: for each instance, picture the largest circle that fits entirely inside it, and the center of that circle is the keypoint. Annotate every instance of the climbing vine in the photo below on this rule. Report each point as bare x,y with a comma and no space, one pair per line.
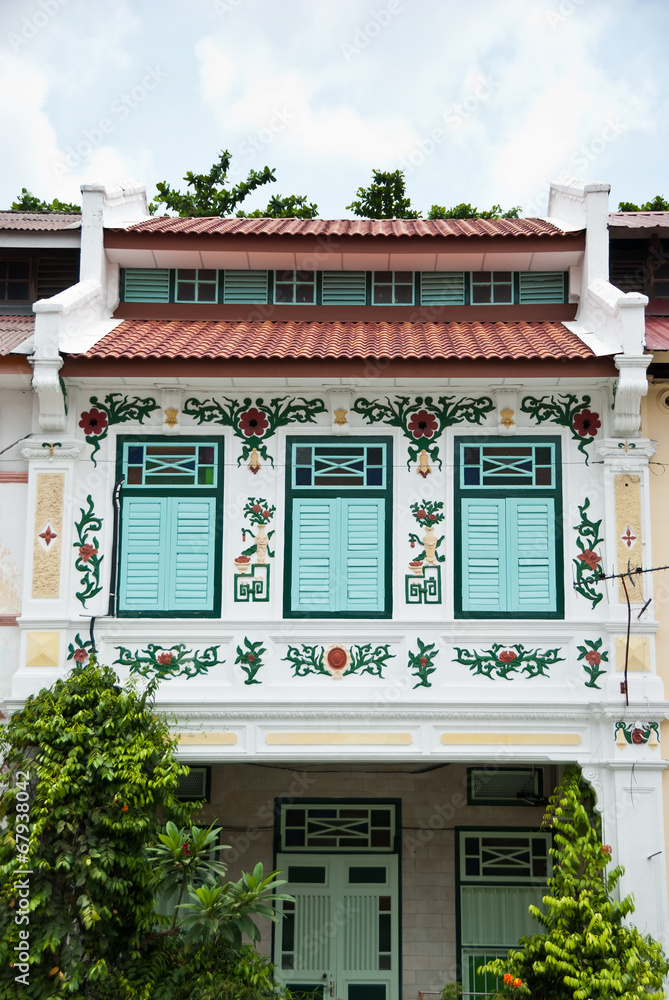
504,660
87,562
168,662
588,571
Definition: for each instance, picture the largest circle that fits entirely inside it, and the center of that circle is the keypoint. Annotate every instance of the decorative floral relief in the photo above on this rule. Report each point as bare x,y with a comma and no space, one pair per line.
254,424
568,411
250,659
421,663
116,409
587,561
637,734
88,561
339,661
79,650
165,663
423,420
252,579
593,654
504,660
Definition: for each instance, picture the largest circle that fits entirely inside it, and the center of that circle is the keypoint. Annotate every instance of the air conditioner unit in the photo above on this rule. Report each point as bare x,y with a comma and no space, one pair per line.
195,785
501,786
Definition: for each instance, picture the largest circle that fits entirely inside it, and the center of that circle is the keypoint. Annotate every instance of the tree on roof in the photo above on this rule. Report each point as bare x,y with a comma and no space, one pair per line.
210,196
295,206
658,204
385,198
467,211
28,202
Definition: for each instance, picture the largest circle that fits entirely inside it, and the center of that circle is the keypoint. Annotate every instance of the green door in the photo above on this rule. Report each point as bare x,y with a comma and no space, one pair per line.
340,937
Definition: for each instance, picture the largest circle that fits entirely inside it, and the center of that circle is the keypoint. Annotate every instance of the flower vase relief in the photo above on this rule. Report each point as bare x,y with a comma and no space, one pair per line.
259,513
428,514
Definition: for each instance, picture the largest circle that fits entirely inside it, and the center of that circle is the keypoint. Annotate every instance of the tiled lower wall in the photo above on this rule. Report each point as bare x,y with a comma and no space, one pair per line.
433,803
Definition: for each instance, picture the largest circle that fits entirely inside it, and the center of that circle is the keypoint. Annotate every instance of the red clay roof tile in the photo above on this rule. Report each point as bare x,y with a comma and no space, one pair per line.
227,339
39,221
346,227
14,330
657,333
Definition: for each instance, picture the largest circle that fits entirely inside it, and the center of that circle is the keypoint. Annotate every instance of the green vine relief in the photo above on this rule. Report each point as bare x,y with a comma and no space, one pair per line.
362,659
421,663
504,660
88,561
568,411
250,659
588,571
165,663
116,409
423,420
591,652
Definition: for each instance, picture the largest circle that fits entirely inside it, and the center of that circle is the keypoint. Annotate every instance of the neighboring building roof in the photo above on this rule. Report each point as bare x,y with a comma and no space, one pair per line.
639,220
39,221
346,227
14,330
657,333
227,339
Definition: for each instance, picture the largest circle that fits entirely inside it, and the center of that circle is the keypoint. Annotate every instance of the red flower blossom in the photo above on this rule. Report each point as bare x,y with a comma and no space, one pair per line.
93,422
125,809
256,508
432,517
420,514
266,513
423,424
423,661
607,849
507,656
165,658
80,656
185,848
250,657
518,982
594,658
253,423
86,551
590,558
586,423
508,978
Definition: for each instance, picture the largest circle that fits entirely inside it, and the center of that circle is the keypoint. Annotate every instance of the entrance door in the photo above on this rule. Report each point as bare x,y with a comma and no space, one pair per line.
340,937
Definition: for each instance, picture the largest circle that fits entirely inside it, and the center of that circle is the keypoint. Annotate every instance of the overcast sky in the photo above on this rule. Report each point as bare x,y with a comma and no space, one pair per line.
481,101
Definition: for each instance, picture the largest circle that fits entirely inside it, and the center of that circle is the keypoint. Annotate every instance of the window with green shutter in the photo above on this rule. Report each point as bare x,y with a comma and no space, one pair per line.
508,544
338,520
170,533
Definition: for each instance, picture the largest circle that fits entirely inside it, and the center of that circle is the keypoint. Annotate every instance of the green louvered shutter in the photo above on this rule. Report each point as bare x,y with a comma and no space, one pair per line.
531,560
314,555
144,551
244,286
541,287
361,574
147,284
483,555
442,288
344,288
191,553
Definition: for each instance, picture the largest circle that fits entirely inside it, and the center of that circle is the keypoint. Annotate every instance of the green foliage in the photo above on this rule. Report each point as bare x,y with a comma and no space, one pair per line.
183,857
28,202
210,196
658,204
467,211
586,952
451,991
385,198
96,764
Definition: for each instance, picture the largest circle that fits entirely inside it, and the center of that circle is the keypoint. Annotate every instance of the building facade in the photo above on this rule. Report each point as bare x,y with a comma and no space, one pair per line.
348,489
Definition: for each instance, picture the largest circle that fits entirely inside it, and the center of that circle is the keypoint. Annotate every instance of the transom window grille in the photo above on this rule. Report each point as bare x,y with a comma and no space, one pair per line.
492,466
334,466
492,287
294,286
393,288
504,857
161,465
196,285
338,827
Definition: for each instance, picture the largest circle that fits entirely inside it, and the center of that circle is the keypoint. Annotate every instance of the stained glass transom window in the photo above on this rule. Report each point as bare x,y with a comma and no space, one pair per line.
161,465
338,827
492,466
339,466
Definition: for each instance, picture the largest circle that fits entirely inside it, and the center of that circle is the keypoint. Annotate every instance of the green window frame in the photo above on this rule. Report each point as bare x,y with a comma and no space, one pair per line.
491,288
507,530
393,288
295,287
196,285
338,528
170,530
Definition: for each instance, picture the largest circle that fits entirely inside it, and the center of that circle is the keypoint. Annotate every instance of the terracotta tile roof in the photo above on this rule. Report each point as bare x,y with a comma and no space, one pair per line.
228,339
639,220
657,333
14,330
347,227
43,221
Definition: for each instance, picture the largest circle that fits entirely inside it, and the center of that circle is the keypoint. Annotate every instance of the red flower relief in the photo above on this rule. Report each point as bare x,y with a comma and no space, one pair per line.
253,423
586,423
423,424
337,658
594,658
165,658
590,558
420,514
80,655
507,656
637,736
423,661
93,422
86,551
250,657
432,517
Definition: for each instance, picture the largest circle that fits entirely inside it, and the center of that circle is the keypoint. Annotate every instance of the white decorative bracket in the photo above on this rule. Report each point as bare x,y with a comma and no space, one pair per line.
46,383
632,385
